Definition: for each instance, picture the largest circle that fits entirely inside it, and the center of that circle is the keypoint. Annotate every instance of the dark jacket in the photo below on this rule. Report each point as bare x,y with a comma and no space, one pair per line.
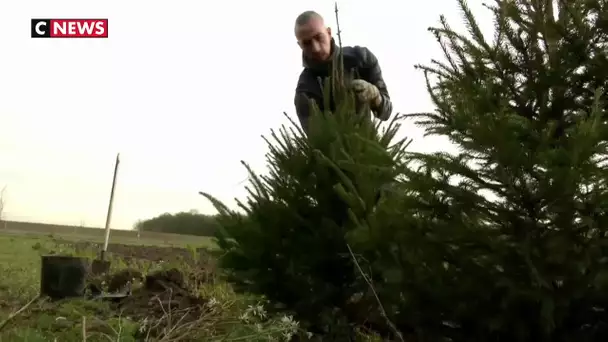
358,61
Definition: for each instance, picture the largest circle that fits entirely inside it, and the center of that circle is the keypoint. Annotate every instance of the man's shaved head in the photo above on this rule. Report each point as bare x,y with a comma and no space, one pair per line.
306,17
312,35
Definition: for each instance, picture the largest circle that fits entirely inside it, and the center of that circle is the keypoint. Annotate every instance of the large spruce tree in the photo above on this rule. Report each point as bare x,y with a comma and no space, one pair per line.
506,240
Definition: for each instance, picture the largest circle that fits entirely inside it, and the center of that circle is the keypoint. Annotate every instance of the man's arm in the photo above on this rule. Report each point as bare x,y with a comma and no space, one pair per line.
384,108
302,109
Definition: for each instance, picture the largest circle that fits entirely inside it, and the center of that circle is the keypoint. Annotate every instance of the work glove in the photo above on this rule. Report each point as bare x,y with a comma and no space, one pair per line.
367,93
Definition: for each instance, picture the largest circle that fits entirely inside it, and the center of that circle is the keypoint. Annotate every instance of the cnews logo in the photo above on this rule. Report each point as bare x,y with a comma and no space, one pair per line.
69,28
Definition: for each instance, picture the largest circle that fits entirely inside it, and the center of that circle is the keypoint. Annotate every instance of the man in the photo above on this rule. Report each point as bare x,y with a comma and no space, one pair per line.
319,51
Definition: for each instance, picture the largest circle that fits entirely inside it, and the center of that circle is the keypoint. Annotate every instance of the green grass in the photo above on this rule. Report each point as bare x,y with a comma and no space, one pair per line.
34,229
225,315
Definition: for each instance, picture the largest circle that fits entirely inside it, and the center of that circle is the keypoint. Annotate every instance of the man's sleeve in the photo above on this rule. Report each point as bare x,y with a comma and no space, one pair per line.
374,76
302,109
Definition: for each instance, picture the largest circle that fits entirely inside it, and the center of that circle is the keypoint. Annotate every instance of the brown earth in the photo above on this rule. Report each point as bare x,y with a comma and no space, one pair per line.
165,302
197,266
165,298
146,252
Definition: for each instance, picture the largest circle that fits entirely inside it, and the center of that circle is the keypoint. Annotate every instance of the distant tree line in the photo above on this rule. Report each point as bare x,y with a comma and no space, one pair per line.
186,223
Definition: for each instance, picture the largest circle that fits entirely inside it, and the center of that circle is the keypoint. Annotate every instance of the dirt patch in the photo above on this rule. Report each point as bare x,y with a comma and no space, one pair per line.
163,303
149,253
199,266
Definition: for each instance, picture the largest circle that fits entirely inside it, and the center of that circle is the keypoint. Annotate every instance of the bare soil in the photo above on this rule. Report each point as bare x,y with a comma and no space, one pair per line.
165,297
148,253
160,298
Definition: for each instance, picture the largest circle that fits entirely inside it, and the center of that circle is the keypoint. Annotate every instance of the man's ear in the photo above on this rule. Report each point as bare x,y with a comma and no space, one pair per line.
329,31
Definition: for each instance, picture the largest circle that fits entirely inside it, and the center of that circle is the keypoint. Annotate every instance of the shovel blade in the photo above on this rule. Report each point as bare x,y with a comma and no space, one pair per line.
100,267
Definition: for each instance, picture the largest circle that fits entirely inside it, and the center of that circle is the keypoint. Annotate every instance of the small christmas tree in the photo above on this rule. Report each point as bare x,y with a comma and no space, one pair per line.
290,245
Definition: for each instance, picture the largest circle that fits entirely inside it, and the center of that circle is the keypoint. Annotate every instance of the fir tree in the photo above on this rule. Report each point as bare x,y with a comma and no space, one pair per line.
505,241
290,245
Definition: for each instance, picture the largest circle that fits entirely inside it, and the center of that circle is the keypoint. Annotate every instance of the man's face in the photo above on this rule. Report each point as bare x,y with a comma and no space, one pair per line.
315,40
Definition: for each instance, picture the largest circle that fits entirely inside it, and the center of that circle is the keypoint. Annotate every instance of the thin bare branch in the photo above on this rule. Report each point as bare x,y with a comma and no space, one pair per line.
380,306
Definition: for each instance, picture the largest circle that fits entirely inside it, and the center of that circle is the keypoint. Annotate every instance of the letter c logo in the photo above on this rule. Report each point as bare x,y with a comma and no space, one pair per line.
38,25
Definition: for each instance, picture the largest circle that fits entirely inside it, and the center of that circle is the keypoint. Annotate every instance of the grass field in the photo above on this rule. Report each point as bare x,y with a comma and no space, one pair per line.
95,234
192,305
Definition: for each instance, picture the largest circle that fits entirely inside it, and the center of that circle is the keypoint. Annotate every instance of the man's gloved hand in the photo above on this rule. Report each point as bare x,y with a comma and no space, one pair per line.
367,93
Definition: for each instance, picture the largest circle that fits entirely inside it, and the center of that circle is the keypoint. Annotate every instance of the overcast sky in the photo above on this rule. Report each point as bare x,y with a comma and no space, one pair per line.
182,89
